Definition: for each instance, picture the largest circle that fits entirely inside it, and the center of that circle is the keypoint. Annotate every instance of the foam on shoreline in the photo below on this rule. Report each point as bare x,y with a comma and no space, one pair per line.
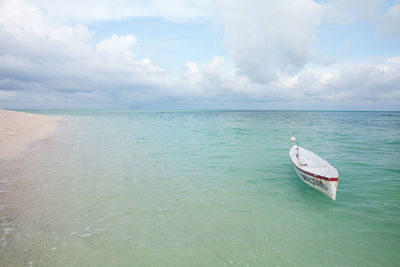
18,129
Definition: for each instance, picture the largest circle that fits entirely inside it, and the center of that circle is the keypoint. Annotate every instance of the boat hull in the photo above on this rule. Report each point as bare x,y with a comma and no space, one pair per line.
325,185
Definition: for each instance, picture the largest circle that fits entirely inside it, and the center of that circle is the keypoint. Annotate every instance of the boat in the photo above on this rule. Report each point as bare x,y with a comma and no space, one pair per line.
314,170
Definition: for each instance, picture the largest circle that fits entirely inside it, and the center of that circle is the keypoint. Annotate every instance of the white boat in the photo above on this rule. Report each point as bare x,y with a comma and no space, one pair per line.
314,171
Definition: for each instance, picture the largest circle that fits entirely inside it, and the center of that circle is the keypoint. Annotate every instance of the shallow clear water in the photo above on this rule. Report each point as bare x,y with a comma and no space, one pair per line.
206,188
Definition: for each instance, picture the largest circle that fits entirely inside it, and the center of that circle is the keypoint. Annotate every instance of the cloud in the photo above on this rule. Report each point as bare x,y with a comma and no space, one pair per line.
389,22
25,20
383,14
46,63
118,46
357,85
39,54
263,37
266,37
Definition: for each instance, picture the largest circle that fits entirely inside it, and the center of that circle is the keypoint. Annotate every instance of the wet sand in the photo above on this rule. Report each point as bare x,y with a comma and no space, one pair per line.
18,129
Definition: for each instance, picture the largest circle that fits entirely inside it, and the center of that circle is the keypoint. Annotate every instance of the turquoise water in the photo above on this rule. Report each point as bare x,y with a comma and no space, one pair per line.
202,188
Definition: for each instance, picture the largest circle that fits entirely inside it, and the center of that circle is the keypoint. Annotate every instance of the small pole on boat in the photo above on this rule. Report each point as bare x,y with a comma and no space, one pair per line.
293,139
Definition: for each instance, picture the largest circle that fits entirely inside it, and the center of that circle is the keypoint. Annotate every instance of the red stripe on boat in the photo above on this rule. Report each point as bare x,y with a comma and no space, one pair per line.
316,176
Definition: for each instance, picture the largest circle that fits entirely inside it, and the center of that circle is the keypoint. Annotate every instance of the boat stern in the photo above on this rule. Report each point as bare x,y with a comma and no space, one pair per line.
332,189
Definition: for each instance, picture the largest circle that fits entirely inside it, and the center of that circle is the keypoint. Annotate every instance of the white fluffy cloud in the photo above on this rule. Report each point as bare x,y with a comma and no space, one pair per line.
266,37
118,46
355,85
44,60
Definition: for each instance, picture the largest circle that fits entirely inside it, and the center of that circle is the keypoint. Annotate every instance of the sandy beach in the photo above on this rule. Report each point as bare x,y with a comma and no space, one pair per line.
18,129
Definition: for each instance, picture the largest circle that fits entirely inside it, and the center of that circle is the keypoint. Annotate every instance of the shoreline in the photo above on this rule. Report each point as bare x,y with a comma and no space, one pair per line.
18,129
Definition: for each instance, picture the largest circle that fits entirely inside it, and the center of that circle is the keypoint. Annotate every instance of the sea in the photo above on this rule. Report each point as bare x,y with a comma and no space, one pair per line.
202,188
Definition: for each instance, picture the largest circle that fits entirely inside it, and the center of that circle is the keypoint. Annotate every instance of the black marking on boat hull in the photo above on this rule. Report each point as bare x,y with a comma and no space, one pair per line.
313,181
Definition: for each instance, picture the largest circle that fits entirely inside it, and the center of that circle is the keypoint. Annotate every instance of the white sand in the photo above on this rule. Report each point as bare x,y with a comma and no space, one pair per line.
18,129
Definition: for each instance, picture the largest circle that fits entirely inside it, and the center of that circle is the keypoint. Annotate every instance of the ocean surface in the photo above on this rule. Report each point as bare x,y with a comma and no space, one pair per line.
202,188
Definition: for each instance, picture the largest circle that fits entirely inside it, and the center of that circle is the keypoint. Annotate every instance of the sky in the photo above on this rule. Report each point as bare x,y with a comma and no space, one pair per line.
200,54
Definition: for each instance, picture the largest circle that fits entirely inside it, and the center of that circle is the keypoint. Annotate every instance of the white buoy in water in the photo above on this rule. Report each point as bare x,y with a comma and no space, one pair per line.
292,139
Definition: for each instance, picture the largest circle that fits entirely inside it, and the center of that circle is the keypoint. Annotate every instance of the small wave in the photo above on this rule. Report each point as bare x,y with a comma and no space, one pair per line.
397,142
241,129
8,230
3,241
86,235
